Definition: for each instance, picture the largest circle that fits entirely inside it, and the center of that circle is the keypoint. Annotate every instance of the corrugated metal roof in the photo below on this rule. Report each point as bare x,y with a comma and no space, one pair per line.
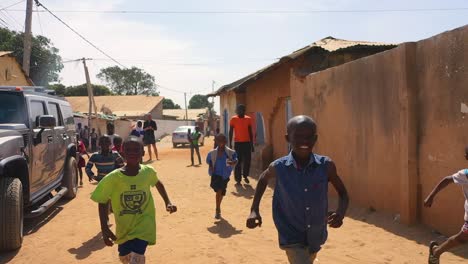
329,44
128,105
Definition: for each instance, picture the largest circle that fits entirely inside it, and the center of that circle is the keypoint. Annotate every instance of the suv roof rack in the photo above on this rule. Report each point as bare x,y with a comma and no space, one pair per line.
37,89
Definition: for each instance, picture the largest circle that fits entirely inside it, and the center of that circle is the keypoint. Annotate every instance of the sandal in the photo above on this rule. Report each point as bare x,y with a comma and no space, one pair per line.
432,259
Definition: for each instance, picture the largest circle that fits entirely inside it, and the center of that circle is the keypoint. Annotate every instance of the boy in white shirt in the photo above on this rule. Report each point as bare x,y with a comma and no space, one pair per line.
460,178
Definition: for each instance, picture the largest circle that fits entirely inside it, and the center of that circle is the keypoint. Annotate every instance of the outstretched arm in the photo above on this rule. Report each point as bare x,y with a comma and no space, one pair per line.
162,191
107,234
439,187
254,218
335,219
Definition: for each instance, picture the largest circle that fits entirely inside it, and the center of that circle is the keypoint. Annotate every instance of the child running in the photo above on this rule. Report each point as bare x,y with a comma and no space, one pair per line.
81,161
105,160
459,178
129,189
300,200
221,162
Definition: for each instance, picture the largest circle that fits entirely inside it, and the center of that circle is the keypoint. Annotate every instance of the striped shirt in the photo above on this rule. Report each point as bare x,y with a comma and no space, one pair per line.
104,164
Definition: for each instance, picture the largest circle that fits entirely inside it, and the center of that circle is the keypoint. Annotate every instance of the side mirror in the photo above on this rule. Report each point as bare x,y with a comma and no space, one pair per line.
47,122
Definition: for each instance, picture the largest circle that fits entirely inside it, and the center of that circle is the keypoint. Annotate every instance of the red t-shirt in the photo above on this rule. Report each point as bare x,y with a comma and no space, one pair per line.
241,128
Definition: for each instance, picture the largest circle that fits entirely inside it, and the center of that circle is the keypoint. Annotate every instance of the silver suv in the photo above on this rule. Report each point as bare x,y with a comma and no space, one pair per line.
37,157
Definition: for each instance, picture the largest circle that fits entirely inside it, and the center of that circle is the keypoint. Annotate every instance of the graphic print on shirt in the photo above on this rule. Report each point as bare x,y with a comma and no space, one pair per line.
132,201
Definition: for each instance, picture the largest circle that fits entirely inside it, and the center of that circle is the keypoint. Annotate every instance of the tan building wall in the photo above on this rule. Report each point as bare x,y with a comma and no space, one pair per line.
442,63
157,112
394,124
11,73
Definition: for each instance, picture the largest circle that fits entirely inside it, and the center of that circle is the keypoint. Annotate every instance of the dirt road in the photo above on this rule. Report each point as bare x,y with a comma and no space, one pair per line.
70,233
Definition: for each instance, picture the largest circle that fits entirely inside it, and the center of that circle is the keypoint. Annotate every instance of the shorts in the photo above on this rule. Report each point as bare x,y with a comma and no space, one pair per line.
149,140
465,228
135,245
299,254
218,183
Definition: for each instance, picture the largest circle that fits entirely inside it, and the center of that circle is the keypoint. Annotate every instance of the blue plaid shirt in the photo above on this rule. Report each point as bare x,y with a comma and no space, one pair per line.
300,202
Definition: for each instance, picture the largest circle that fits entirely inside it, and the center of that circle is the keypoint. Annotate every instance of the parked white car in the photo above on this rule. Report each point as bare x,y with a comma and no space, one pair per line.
179,136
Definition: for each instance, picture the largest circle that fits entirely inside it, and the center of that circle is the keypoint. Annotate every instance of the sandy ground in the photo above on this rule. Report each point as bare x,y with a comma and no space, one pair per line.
70,232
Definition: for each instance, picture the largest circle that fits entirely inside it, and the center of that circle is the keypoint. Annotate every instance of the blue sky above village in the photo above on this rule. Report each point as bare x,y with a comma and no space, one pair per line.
185,52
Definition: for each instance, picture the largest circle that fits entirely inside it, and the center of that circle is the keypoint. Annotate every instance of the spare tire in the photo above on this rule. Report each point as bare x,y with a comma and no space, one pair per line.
11,214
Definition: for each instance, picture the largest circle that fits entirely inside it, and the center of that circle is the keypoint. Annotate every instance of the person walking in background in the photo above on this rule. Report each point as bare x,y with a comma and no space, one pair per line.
138,130
216,133
85,136
117,144
111,133
241,129
459,178
194,144
94,138
81,161
149,139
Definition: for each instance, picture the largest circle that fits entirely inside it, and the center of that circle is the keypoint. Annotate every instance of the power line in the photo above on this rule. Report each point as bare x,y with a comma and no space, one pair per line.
39,20
260,11
12,5
81,36
12,18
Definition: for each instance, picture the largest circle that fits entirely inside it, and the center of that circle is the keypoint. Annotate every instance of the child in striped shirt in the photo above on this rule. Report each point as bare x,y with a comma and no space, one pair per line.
105,161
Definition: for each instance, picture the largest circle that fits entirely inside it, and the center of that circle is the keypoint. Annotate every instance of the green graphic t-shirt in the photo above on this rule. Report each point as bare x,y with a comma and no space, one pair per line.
194,137
132,203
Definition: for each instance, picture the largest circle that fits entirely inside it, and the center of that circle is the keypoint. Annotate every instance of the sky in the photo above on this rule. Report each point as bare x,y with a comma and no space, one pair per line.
196,52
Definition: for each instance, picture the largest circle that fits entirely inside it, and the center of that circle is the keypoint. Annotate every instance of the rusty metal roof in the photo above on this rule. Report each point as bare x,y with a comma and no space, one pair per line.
329,44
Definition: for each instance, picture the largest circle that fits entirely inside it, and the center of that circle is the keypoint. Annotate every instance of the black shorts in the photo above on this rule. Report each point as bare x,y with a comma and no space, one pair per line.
149,140
219,184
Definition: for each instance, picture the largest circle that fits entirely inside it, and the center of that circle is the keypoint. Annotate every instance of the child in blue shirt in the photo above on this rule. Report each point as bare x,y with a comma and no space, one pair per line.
221,161
300,201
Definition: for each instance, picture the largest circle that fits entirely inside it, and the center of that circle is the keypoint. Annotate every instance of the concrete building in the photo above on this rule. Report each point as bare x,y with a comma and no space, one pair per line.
267,92
11,73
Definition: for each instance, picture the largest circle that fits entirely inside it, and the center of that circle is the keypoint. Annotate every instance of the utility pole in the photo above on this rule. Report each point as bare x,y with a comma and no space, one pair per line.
90,94
27,37
186,111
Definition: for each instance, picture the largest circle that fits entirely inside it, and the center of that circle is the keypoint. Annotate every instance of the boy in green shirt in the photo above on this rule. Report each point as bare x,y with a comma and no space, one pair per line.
128,188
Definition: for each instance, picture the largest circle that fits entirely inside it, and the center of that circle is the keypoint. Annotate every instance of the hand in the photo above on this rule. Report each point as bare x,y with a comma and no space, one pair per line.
108,236
428,202
254,220
171,208
335,220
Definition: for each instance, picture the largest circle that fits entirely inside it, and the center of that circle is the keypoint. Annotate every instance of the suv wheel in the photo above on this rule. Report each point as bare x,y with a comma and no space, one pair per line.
11,214
70,178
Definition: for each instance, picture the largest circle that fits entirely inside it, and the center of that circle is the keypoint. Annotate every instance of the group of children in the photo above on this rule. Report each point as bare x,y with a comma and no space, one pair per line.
300,202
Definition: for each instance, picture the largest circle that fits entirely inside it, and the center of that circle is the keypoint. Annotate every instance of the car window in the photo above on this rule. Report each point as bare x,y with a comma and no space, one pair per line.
36,108
12,108
68,116
184,128
54,110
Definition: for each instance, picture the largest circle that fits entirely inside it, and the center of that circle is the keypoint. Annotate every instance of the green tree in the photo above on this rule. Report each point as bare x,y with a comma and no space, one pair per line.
169,104
80,90
128,81
45,64
199,101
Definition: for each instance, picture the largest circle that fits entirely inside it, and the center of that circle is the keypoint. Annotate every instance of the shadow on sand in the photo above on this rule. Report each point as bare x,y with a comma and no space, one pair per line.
244,190
87,248
223,229
418,233
33,225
